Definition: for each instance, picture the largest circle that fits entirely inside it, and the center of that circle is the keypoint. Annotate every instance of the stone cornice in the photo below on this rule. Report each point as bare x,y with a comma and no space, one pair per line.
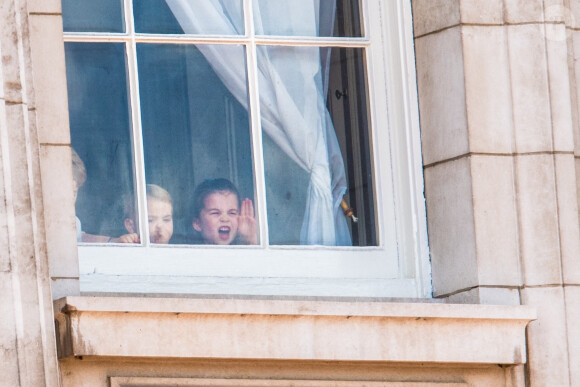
292,330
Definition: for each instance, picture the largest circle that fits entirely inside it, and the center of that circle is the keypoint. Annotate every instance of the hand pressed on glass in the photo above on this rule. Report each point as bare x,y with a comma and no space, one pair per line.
247,223
127,238
218,216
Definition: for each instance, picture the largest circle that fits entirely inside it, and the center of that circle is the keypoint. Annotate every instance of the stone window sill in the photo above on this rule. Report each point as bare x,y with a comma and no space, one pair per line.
291,330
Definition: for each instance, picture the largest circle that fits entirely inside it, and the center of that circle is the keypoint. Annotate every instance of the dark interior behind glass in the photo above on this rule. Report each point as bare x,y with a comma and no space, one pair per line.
193,128
100,128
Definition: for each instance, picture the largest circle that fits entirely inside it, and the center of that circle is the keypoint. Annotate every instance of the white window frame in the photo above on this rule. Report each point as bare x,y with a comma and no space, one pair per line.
398,267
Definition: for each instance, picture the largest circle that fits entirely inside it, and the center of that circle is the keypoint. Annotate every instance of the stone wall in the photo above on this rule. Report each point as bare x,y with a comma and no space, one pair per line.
499,121
27,339
499,109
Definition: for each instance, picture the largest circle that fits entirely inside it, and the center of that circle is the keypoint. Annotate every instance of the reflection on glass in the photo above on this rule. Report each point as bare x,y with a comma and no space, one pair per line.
324,18
100,135
317,150
92,16
208,17
195,129
155,17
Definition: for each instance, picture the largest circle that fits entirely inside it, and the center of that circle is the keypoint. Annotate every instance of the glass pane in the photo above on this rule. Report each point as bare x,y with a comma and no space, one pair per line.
196,129
347,102
317,147
324,18
208,17
93,16
100,134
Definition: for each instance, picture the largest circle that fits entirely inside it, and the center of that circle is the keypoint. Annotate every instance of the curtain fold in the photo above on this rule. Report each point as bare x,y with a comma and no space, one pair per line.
292,85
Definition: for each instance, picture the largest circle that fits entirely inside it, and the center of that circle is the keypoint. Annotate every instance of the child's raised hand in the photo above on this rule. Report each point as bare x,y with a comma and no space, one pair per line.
247,223
127,238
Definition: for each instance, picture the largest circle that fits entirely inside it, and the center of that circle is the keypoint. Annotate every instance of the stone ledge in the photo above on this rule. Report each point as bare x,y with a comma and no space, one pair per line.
195,382
291,330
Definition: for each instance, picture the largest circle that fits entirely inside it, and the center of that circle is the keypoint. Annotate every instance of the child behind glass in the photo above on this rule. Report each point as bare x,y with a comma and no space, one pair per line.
219,216
159,213
79,177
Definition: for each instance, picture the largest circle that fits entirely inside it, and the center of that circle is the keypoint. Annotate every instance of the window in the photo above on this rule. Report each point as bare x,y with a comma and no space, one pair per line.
285,104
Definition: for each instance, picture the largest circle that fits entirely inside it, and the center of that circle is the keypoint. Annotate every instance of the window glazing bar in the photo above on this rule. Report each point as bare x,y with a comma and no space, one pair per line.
257,154
137,135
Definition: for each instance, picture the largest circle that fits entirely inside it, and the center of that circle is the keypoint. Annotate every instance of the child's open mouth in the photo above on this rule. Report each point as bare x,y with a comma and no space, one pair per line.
224,233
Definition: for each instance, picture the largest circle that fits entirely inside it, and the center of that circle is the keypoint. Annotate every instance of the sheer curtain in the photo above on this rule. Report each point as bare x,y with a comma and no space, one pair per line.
292,104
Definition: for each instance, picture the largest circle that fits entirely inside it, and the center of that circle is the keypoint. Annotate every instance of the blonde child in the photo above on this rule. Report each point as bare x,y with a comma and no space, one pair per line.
80,176
160,217
219,216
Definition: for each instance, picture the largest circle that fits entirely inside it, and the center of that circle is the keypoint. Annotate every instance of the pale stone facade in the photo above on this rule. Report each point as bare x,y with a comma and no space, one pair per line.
499,109
500,136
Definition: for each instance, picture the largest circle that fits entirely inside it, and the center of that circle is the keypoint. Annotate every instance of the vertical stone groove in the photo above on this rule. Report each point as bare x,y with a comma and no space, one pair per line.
29,339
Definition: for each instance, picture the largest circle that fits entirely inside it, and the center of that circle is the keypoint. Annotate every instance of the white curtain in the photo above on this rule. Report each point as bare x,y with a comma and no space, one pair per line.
292,105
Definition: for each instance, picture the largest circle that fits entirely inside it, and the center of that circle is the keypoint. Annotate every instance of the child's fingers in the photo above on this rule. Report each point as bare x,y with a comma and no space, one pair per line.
250,208
244,209
128,238
247,208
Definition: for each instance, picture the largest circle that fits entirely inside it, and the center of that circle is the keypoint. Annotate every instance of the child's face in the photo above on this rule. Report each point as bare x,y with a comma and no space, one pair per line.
218,220
160,220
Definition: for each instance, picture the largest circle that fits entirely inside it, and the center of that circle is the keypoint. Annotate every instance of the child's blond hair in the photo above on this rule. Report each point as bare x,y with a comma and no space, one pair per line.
153,192
78,168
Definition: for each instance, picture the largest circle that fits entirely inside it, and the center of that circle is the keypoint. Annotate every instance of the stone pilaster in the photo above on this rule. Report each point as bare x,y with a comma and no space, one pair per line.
498,103
27,339
48,74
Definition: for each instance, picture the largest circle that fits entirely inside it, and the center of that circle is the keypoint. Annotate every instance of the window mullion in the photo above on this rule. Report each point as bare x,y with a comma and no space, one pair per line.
137,135
258,159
